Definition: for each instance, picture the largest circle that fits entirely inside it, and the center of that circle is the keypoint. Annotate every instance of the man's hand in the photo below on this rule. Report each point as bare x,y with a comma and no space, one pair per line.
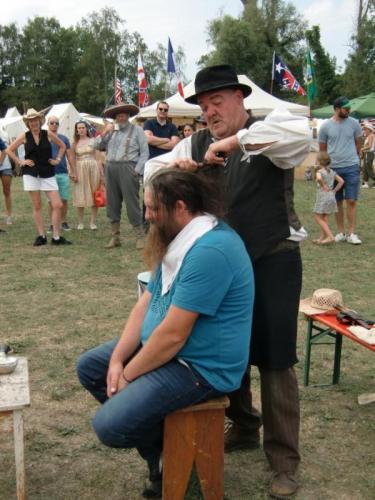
115,380
226,146
108,128
184,164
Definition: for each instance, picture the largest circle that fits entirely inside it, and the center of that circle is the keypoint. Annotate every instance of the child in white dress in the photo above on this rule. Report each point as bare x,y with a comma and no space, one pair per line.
328,183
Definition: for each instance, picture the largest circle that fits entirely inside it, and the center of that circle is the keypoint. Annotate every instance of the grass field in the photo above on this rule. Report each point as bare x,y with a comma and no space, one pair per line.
56,302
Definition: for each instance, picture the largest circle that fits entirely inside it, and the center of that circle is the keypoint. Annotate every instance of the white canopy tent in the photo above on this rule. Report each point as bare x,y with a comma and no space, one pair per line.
178,108
11,127
260,102
12,112
67,115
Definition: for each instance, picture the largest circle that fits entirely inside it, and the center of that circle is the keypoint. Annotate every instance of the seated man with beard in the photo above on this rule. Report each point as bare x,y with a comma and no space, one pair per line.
187,338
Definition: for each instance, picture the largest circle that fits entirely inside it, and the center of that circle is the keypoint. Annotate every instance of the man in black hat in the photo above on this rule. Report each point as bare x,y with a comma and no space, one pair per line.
260,208
127,152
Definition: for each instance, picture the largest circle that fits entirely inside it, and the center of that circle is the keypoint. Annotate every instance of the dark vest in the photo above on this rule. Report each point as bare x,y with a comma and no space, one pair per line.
40,154
255,197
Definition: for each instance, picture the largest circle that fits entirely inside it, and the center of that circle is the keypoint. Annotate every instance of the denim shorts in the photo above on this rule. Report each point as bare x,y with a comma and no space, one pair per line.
64,186
350,189
6,172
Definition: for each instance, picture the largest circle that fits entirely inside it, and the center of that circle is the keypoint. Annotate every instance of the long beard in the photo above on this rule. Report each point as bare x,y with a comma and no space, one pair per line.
156,244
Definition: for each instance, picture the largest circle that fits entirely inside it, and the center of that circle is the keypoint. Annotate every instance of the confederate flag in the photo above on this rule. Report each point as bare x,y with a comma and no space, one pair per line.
283,76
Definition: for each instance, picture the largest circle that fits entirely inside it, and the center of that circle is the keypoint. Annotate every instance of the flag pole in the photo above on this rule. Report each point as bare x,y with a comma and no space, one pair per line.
273,71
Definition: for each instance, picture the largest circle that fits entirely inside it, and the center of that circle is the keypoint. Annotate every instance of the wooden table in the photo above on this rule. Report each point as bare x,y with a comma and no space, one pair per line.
331,328
14,397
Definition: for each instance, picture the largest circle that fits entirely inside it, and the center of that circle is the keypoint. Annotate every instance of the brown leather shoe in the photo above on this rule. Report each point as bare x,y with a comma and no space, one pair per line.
239,438
114,242
283,485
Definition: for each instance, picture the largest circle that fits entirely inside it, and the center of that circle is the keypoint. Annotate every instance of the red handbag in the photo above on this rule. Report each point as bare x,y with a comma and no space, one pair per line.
100,197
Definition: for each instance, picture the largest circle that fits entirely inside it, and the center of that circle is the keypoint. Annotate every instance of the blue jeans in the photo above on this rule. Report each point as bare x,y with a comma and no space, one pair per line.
134,417
350,189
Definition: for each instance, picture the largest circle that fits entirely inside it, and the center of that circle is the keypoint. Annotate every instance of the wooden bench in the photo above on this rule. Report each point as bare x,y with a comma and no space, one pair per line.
14,397
195,435
317,335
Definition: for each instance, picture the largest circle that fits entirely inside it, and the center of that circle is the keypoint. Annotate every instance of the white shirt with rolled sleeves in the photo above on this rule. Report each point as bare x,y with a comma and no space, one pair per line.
290,137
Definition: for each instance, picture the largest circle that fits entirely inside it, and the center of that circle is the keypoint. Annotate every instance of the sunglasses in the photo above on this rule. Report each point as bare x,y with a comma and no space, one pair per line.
163,109
54,123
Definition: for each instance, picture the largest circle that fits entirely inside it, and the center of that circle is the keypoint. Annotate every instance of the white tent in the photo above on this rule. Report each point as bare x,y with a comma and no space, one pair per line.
12,127
260,102
67,115
12,112
178,108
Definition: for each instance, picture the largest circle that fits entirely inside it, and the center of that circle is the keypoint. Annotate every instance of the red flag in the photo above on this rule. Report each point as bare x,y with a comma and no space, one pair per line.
143,99
118,91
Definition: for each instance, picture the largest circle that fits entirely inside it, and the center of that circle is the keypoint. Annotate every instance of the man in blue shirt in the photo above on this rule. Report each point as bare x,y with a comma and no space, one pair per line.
62,172
162,135
341,137
187,338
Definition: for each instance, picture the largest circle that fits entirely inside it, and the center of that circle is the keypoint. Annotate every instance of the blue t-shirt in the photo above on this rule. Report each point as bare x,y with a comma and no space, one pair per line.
340,138
216,281
167,130
62,167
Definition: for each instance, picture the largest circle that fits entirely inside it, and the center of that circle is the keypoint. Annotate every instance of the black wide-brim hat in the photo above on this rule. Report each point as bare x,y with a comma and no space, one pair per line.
217,77
122,107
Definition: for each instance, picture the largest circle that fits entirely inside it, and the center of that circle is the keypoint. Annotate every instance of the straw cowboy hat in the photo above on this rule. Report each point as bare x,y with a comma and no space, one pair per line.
31,114
217,77
122,107
323,301
368,125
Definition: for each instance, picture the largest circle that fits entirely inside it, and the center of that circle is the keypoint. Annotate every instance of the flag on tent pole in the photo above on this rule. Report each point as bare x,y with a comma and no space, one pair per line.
172,67
310,78
143,99
118,91
282,75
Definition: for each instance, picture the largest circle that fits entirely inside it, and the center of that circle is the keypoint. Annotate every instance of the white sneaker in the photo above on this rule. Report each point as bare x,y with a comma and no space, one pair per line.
80,226
93,227
353,239
364,185
9,221
340,237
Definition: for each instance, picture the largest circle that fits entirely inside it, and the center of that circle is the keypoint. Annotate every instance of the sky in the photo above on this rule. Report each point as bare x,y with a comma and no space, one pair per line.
185,22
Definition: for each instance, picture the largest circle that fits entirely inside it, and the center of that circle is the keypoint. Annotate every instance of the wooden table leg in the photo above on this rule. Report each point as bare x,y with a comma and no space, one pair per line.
307,352
19,454
337,359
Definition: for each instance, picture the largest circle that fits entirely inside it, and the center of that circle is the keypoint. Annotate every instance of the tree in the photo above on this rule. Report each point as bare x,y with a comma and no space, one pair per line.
9,64
248,43
325,69
359,76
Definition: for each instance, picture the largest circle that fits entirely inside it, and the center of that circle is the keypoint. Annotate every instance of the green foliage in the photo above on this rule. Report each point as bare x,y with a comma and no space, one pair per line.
45,63
359,77
248,43
325,69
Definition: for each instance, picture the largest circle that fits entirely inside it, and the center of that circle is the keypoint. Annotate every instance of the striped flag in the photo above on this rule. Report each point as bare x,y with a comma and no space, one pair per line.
143,99
118,91
172,67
